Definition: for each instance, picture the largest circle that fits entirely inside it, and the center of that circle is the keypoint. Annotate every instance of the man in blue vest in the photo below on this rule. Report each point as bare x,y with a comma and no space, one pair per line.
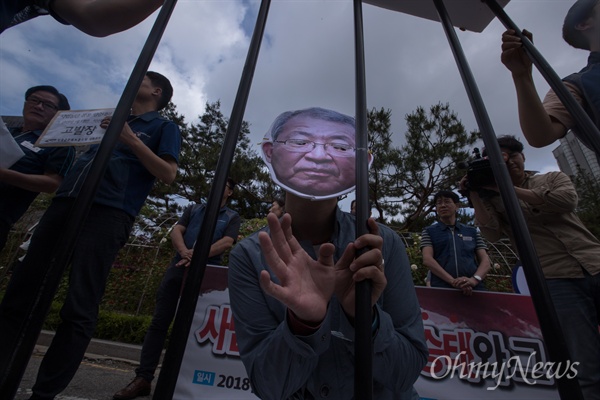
454,253
544,122
183,236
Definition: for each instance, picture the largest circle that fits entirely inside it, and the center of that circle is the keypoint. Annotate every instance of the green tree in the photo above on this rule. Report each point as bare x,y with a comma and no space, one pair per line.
200,152
382,168
588,208
409,175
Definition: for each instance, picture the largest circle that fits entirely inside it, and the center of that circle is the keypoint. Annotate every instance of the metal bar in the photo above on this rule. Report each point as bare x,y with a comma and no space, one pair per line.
29,332
588,131
363,345
167,379
549,324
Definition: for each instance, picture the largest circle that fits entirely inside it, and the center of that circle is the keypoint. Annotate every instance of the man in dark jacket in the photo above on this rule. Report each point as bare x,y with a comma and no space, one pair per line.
41,169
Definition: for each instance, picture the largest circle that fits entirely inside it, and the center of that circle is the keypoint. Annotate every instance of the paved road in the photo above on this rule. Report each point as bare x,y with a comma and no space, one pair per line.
98,378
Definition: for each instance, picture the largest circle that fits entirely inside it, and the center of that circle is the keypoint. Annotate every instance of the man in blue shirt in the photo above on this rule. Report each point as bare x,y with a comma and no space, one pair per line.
148,149
183,236
544,122
454,253
41,169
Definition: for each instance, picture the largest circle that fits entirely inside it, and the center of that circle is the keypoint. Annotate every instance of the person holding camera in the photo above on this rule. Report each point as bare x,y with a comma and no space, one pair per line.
568,252
454,253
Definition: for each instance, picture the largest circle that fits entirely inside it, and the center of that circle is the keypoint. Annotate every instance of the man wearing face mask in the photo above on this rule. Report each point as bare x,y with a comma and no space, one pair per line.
292,283
314,152
569,254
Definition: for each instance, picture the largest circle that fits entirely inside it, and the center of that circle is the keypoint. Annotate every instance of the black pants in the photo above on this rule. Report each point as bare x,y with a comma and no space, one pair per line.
167,299
104,233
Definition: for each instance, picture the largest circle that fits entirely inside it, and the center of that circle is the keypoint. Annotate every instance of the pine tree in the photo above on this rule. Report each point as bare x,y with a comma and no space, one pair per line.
588,207
405,178
202,143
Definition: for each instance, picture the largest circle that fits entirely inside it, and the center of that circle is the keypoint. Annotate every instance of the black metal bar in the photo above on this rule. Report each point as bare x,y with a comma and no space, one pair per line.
587,131
363,335
13,372
549,324
167,379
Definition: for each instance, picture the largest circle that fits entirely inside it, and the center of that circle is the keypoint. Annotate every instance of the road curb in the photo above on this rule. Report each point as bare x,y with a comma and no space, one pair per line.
99,348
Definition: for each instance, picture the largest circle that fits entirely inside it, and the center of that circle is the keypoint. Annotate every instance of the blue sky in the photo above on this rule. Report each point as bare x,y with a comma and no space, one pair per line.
307,59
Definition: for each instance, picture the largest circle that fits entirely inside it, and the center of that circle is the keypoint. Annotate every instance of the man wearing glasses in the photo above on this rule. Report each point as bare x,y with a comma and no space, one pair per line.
312,152
148,150
41,169
454,253
292,284
183,236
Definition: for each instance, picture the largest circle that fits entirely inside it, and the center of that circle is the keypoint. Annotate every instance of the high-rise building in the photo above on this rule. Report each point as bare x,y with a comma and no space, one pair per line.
571,154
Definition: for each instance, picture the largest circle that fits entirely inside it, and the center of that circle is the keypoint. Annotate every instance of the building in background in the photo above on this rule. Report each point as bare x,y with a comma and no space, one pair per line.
571,154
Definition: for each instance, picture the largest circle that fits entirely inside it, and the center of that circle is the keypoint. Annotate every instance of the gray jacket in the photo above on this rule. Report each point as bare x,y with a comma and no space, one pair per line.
282,365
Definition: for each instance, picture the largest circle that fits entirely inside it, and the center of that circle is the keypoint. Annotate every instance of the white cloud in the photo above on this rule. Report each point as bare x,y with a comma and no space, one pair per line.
307,58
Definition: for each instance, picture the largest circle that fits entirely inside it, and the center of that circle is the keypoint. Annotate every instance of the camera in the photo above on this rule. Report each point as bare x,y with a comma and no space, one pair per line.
479,171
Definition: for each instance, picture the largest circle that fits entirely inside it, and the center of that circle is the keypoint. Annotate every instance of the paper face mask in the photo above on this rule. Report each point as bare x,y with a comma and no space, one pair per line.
311,153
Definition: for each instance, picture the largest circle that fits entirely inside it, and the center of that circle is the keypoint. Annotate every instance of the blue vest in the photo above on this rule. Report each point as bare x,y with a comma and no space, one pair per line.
193,228
454,249
588,82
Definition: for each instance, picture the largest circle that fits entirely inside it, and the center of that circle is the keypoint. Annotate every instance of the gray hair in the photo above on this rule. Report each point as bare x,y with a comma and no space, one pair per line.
313,112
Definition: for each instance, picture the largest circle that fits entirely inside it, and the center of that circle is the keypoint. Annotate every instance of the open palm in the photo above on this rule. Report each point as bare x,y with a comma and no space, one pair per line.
305,285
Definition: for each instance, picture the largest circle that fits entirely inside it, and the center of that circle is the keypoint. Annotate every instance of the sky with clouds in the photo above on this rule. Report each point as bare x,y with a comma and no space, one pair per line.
306,59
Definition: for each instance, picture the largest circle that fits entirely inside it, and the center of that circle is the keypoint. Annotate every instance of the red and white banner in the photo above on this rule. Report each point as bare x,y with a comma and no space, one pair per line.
487,346
211,367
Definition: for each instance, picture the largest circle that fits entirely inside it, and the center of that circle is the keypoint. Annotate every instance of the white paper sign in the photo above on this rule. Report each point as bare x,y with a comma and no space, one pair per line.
75,128
10,152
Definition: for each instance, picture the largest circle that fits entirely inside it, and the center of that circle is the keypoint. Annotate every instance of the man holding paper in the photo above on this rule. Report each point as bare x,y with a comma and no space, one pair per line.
148,150
39,169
